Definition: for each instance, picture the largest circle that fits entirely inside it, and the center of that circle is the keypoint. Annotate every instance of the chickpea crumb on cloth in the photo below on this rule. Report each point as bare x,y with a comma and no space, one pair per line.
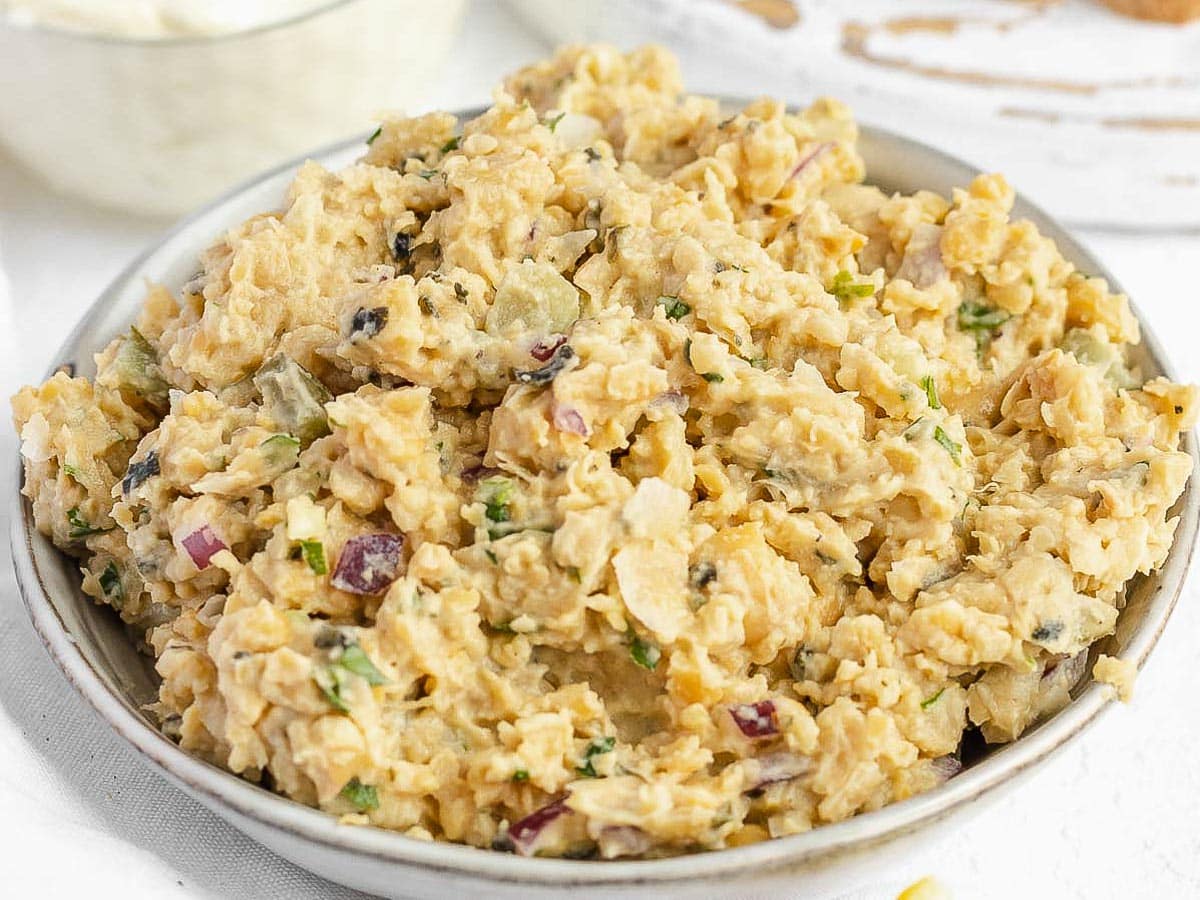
611,476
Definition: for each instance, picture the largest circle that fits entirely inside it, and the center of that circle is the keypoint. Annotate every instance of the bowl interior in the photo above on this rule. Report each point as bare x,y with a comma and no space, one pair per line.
93,648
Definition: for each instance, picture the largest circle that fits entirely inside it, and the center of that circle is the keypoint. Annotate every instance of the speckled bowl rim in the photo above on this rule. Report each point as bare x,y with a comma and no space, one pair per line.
234,797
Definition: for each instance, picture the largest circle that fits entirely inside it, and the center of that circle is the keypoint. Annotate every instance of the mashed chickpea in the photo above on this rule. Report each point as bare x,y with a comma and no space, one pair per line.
616,477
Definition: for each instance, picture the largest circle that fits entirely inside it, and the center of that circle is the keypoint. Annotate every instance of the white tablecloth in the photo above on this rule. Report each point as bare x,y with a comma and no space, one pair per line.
1113,816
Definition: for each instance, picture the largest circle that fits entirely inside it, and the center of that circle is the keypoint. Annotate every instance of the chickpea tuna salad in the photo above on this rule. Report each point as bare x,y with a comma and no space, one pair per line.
607,476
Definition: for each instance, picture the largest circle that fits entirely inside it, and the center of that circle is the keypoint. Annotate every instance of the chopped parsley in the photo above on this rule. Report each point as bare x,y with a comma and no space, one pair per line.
929,701
954,449
80,527
931,392
644,653
845,289
376,133
596,748
712,377
520,775
110,583
353,659
675,308
333,678
428,174
980,320
71,470
498,495
363,796
552,123
313,553
451,145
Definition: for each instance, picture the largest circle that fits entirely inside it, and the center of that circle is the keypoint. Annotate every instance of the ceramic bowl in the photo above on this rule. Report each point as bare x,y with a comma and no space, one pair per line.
94,652
157,126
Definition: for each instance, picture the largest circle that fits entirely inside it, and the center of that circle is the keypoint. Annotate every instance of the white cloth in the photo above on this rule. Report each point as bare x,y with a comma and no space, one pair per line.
81,815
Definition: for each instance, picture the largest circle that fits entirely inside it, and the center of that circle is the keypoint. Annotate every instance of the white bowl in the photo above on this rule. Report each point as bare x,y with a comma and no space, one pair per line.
94,652
159,126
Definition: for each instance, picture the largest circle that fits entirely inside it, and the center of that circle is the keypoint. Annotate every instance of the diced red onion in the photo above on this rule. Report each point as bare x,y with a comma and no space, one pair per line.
674,400
946,767
569,420
368,563
524,833
545,347
202,545
622,840
755,720
811,156
778,767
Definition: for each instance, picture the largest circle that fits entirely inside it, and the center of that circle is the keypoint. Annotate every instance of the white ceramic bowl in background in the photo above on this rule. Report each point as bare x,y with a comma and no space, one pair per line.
95,653
159,126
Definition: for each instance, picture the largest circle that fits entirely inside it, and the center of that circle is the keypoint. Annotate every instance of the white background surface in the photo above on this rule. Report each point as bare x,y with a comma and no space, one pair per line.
1113,816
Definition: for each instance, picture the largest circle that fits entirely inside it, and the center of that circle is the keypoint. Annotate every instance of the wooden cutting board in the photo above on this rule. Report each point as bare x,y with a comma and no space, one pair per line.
1093,115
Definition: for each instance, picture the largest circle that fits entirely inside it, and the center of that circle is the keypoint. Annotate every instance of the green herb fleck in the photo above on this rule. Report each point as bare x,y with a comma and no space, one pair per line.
845,289
110,583
363,796
593,155
314,554
353,659
80,527
675,308
929,701
498,494
376,133
931,392
451,145
597,747
333,678
712,377
552,123
520,775
955,450
491,556
760,362
71,470
644,653
427,174
980,320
